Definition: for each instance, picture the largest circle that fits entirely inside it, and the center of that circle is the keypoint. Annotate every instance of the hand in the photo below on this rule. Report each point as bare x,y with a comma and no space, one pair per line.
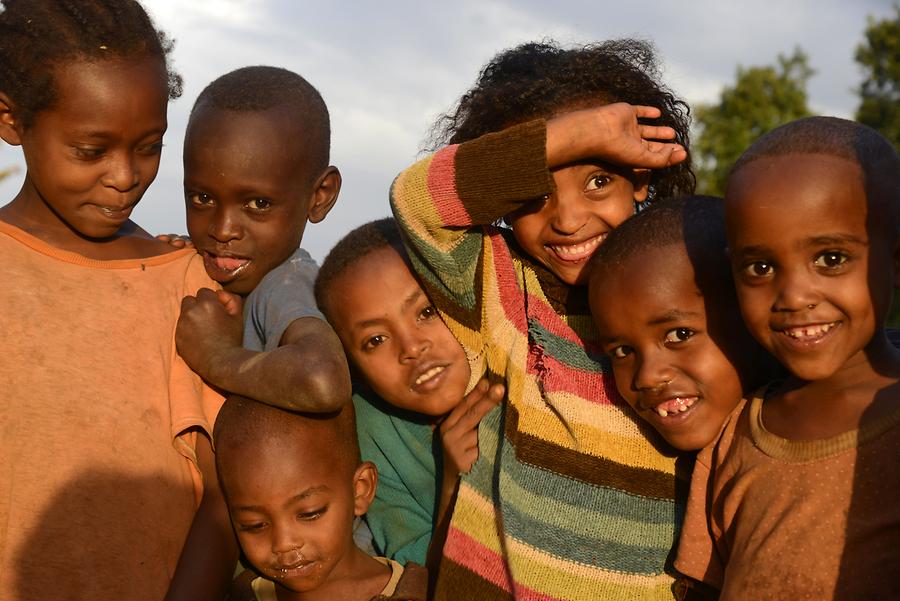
611,132
459,430
176,240
209,326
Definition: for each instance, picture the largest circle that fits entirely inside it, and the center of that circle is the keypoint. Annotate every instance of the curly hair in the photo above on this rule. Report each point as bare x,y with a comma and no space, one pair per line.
356,245
541,79
38,35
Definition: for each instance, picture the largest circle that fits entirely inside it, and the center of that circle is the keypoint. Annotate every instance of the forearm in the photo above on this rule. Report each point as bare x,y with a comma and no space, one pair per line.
295,377
449,490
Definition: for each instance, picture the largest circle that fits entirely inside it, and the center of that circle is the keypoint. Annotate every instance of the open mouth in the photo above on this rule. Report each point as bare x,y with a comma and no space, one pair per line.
224,267
116,213
292,571
675,406
429,378
809,333
575,253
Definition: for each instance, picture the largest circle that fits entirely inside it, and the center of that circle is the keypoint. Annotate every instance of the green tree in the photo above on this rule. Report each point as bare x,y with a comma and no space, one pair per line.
879,93
761,99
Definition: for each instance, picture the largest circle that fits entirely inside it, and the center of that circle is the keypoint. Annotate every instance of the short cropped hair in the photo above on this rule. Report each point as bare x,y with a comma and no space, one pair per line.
877,158
696,222
359,243
245,424
259,88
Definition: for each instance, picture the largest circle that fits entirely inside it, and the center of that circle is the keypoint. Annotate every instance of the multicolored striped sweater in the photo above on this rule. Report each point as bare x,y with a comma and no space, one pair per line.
572,497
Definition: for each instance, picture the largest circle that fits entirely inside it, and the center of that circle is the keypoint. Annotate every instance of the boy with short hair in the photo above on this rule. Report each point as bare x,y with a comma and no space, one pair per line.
256,170
794,499
662,298
293,484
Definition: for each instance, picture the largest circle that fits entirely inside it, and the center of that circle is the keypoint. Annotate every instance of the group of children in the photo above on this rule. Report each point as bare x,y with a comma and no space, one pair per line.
570,377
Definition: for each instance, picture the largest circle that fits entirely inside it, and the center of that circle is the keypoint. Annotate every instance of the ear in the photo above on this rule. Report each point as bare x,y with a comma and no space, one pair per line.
365,481
10,132
640,179
325,194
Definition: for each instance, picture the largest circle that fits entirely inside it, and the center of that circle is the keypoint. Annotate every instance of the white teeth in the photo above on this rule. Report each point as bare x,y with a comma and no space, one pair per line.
676,405
813,331
579,249
429,374
662,412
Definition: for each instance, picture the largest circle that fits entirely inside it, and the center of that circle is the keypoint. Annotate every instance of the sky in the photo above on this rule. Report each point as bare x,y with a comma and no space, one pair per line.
388,68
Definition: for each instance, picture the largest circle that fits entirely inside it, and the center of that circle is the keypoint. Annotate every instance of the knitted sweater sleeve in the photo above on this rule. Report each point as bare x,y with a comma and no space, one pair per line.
446,204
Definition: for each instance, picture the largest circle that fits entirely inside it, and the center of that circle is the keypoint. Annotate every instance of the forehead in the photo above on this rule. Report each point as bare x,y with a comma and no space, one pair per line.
100,92
376,285
651,282
264,145
810,192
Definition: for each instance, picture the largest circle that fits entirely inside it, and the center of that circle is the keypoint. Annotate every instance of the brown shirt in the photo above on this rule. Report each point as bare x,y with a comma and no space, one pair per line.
770,518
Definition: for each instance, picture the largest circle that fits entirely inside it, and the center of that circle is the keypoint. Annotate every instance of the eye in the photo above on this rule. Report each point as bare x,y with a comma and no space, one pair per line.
89,153
758,269
598,181
679,334
252,527
309,516
374,341
831,259
259,204
428,312
199,199
151,149
620,352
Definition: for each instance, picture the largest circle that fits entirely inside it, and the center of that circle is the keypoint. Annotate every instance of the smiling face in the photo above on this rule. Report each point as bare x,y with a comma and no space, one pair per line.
249,192
94,152
394,335
563,230
813,283
677,358
293,506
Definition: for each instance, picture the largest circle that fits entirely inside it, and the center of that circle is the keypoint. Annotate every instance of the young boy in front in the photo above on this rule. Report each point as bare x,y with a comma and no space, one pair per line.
256,170
662,297
796,498
293,484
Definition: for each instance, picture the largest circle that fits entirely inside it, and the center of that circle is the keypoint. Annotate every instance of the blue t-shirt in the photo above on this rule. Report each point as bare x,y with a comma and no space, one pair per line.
283,295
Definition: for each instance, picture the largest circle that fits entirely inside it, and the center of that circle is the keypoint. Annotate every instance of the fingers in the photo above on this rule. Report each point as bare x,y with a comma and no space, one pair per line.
468,414
231,302
656,132
646,112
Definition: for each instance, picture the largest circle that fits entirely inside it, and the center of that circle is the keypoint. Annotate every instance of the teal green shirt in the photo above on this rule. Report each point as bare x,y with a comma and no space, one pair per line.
407,455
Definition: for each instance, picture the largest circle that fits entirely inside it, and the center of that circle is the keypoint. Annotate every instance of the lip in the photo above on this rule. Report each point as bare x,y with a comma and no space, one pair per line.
224,267
116,213
297,570
429,376
807,336
576,252
678,408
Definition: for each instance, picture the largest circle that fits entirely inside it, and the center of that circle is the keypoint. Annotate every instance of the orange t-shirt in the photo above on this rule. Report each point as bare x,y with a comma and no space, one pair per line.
98,475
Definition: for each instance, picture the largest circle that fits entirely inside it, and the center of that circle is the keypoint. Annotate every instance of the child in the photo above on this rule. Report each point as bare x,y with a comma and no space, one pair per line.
105,453
405,355
256,170
293,484
795,499
568,500
664,304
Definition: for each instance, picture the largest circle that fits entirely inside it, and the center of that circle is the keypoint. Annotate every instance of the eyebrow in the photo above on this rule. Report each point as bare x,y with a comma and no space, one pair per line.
409,300
312,490
674,315
823,240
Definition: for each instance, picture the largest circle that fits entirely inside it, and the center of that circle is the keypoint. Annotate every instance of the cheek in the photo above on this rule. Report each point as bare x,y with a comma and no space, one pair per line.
254,547
623,374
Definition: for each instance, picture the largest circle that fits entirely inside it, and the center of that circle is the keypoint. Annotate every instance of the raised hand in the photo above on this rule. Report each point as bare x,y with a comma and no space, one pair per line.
459,430
612,133
210,325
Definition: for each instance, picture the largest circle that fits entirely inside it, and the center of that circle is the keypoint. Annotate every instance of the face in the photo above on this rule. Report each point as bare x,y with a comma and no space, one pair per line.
395,337
814,285
94,152
293,515
563,230
677,358
247,200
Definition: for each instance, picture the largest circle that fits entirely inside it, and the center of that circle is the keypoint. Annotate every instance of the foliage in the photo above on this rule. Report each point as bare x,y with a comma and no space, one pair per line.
761,99
879,93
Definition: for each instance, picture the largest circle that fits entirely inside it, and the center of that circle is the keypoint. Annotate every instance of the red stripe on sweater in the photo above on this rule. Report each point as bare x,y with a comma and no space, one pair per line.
442,188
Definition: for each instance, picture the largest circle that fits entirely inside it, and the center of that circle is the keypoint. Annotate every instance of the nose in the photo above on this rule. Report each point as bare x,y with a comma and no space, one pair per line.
653,373
121,173
285,543
796,291
569,213
413,344
224,227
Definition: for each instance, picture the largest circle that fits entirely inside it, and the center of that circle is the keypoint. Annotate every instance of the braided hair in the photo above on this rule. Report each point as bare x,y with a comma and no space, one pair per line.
38,35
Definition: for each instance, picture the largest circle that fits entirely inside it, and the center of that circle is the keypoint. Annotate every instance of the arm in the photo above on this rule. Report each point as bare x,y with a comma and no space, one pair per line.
306,372
459,441
209,555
